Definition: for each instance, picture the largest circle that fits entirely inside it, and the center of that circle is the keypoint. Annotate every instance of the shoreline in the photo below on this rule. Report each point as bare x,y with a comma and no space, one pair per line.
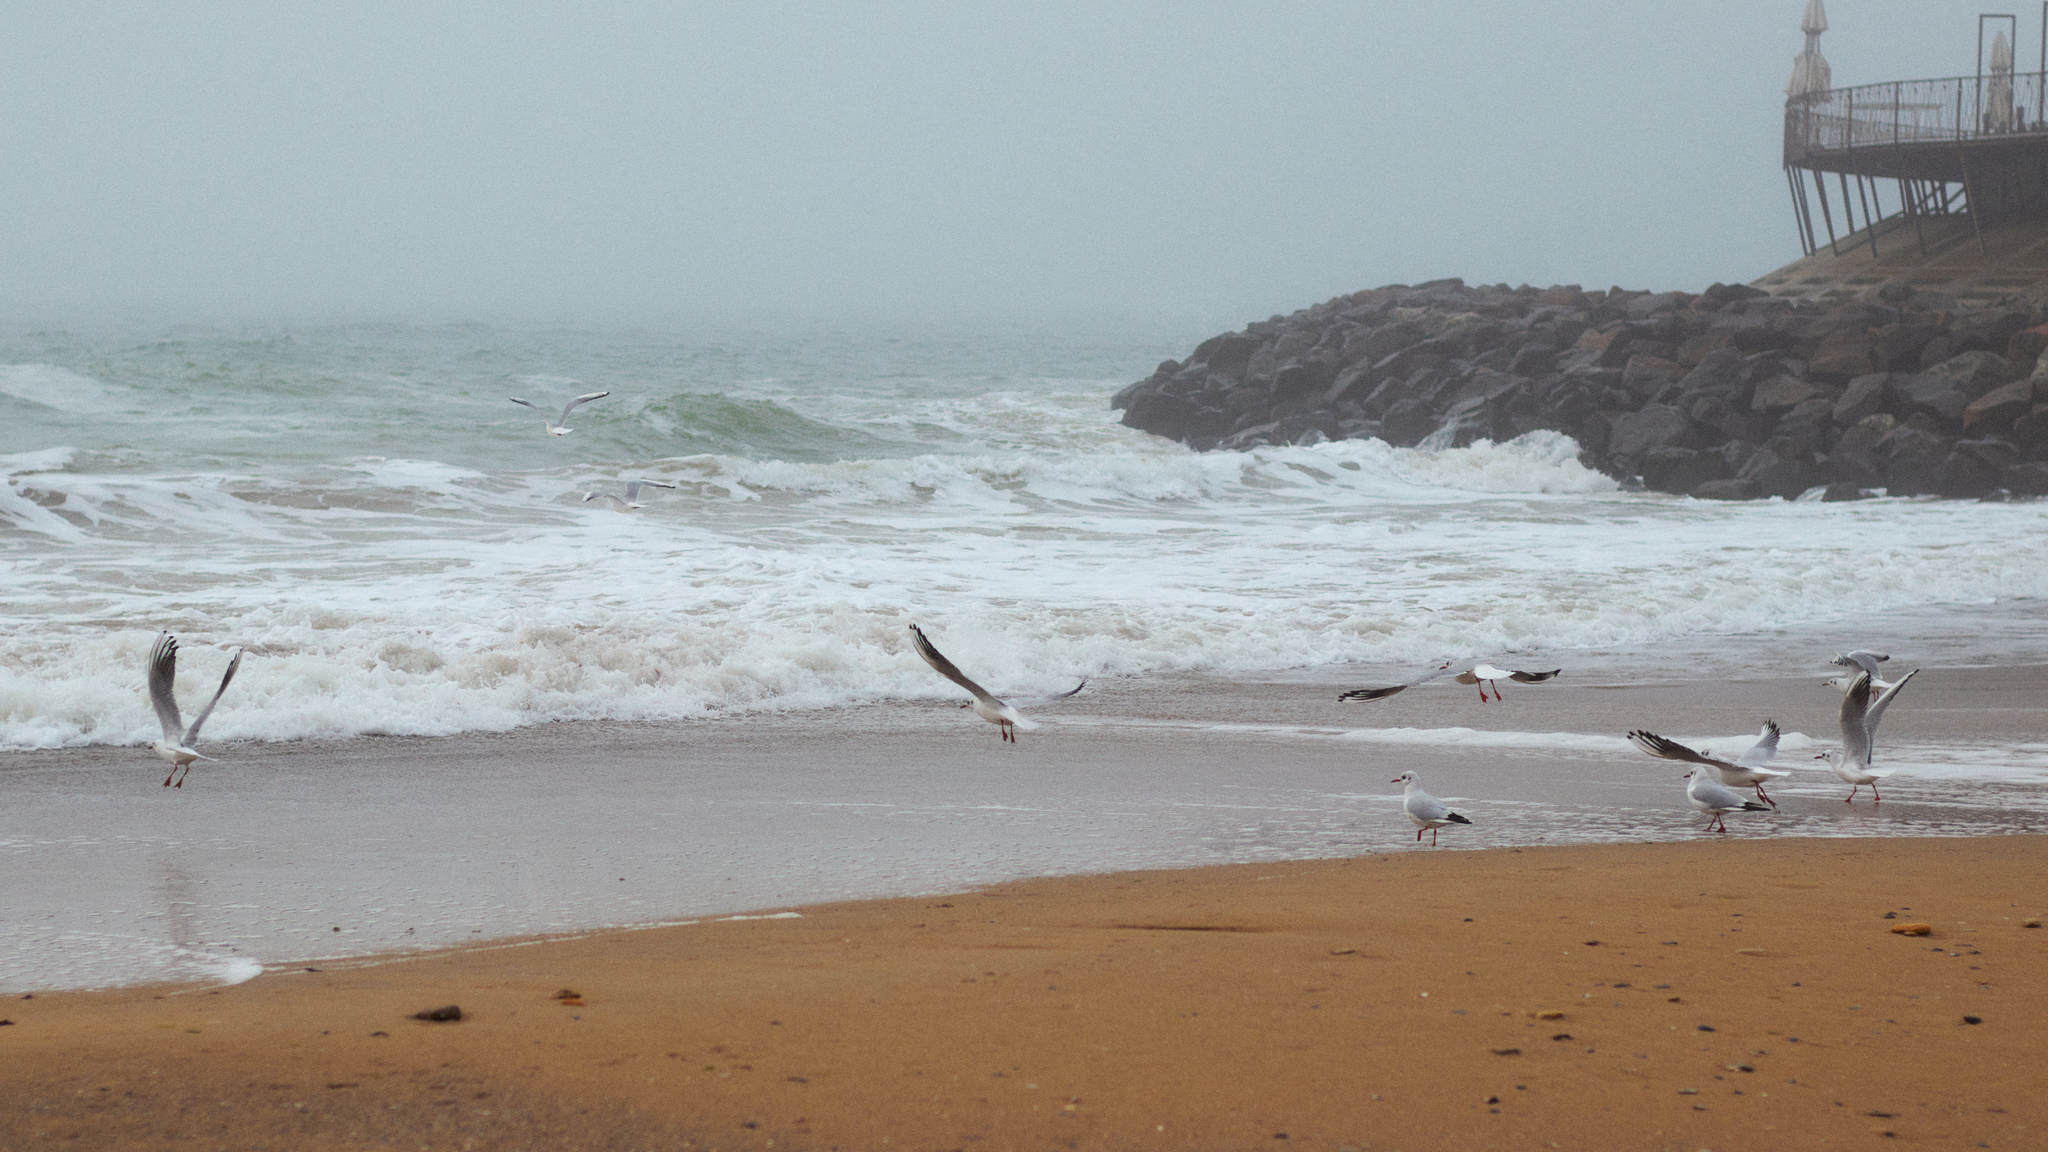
345,848
1671,995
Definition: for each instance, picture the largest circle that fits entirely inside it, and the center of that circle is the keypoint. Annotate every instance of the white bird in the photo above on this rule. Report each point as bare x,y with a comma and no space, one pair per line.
632,499
176,745
1860,715
1715,799
1426,812
1483,675
996,712
1863,660
559,425
1749,770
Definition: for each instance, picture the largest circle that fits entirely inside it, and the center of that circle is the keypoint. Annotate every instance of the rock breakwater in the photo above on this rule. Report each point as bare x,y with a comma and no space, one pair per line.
1731,393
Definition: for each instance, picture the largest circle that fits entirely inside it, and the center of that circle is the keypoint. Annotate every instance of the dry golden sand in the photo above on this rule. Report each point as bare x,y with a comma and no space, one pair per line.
1718,994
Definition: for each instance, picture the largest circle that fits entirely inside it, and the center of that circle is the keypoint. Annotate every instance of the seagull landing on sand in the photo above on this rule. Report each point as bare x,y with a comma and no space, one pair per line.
1004,717
176,746
1426,812
1747,771
632,498
559,425
1483,675
1714,798
1860,715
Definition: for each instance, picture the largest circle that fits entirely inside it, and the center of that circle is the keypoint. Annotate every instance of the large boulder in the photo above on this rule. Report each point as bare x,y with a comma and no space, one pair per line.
1865,396
1947,388
1975,469
1634,434
1995,411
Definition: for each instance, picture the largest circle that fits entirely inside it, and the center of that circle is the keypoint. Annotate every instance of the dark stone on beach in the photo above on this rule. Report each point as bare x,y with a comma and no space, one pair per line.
2026,479
1912,460
1843,490
1975,469
1996,410
1728,490
447,1013
1947,388
1632,435
2030,432
1865,396
1780,468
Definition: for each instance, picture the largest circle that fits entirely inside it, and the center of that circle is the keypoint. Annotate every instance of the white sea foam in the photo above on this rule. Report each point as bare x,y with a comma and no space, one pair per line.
59,388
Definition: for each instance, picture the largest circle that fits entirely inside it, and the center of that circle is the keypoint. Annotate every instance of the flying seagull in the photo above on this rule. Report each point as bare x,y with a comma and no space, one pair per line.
1004,717
1860,715
1483,675
1749,770
559,425
1715,799
1426,812
176,745
632,499
1865,661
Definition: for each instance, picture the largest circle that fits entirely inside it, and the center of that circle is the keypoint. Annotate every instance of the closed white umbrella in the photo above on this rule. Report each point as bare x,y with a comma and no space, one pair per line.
1809,68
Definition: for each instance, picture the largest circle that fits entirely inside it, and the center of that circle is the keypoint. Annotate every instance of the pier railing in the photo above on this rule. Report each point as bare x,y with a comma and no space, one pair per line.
1903,112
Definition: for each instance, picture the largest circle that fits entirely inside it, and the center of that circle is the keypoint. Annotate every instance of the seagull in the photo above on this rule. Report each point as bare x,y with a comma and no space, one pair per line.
1749,770
1004,717
1867,661
1483,675
1860,715
1426,812
632,499
176,745
558,426
1714,798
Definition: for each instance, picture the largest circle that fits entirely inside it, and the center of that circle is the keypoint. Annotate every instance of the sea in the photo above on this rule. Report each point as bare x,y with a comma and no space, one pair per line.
398,550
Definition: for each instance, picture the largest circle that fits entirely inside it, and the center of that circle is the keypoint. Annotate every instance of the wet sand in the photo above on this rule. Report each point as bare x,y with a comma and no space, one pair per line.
289,852
1731,992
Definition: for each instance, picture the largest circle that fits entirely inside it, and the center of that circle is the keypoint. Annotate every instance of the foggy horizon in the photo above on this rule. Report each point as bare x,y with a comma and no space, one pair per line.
1155,167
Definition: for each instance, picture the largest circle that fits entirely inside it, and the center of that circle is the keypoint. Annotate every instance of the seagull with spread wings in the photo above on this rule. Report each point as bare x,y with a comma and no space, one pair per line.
1749,770
1482,674
176,746
1860,714
986,706
632,498
559,425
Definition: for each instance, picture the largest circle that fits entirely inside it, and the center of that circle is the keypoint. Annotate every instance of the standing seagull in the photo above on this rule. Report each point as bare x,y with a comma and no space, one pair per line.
559,425
1715,798
176,746
632,499
1748,771
985,706
1426,812
1860,715
1480,674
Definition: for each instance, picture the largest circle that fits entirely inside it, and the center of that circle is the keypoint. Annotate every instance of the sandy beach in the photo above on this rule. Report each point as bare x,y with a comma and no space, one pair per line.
1331,985
1725,993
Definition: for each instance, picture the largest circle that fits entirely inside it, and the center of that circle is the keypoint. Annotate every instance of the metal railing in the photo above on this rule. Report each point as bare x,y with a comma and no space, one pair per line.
1915,112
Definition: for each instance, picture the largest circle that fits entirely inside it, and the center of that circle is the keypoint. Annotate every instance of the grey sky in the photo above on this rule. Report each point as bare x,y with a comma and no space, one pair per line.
1185,164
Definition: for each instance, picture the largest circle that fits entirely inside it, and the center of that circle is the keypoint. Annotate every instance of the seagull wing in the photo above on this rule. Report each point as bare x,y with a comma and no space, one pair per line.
657,484
163,669
1664,749
1422,806
945,667
1383,693
527,403
1707,791
1855,722
1868,661
1533,677
586,398
1074,691
192,733
632,491
1764,750
1883,701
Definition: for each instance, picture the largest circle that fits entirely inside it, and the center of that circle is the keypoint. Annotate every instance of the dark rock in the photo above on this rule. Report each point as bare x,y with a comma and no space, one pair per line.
1785,391
446,1013
1843,490
2026,479
1864,396
1645,376
1996,410
1682,469
1727,490
1634,434
2030,432
1845,354
1729,293
1947,388
1781,468
1975,468
1912,460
